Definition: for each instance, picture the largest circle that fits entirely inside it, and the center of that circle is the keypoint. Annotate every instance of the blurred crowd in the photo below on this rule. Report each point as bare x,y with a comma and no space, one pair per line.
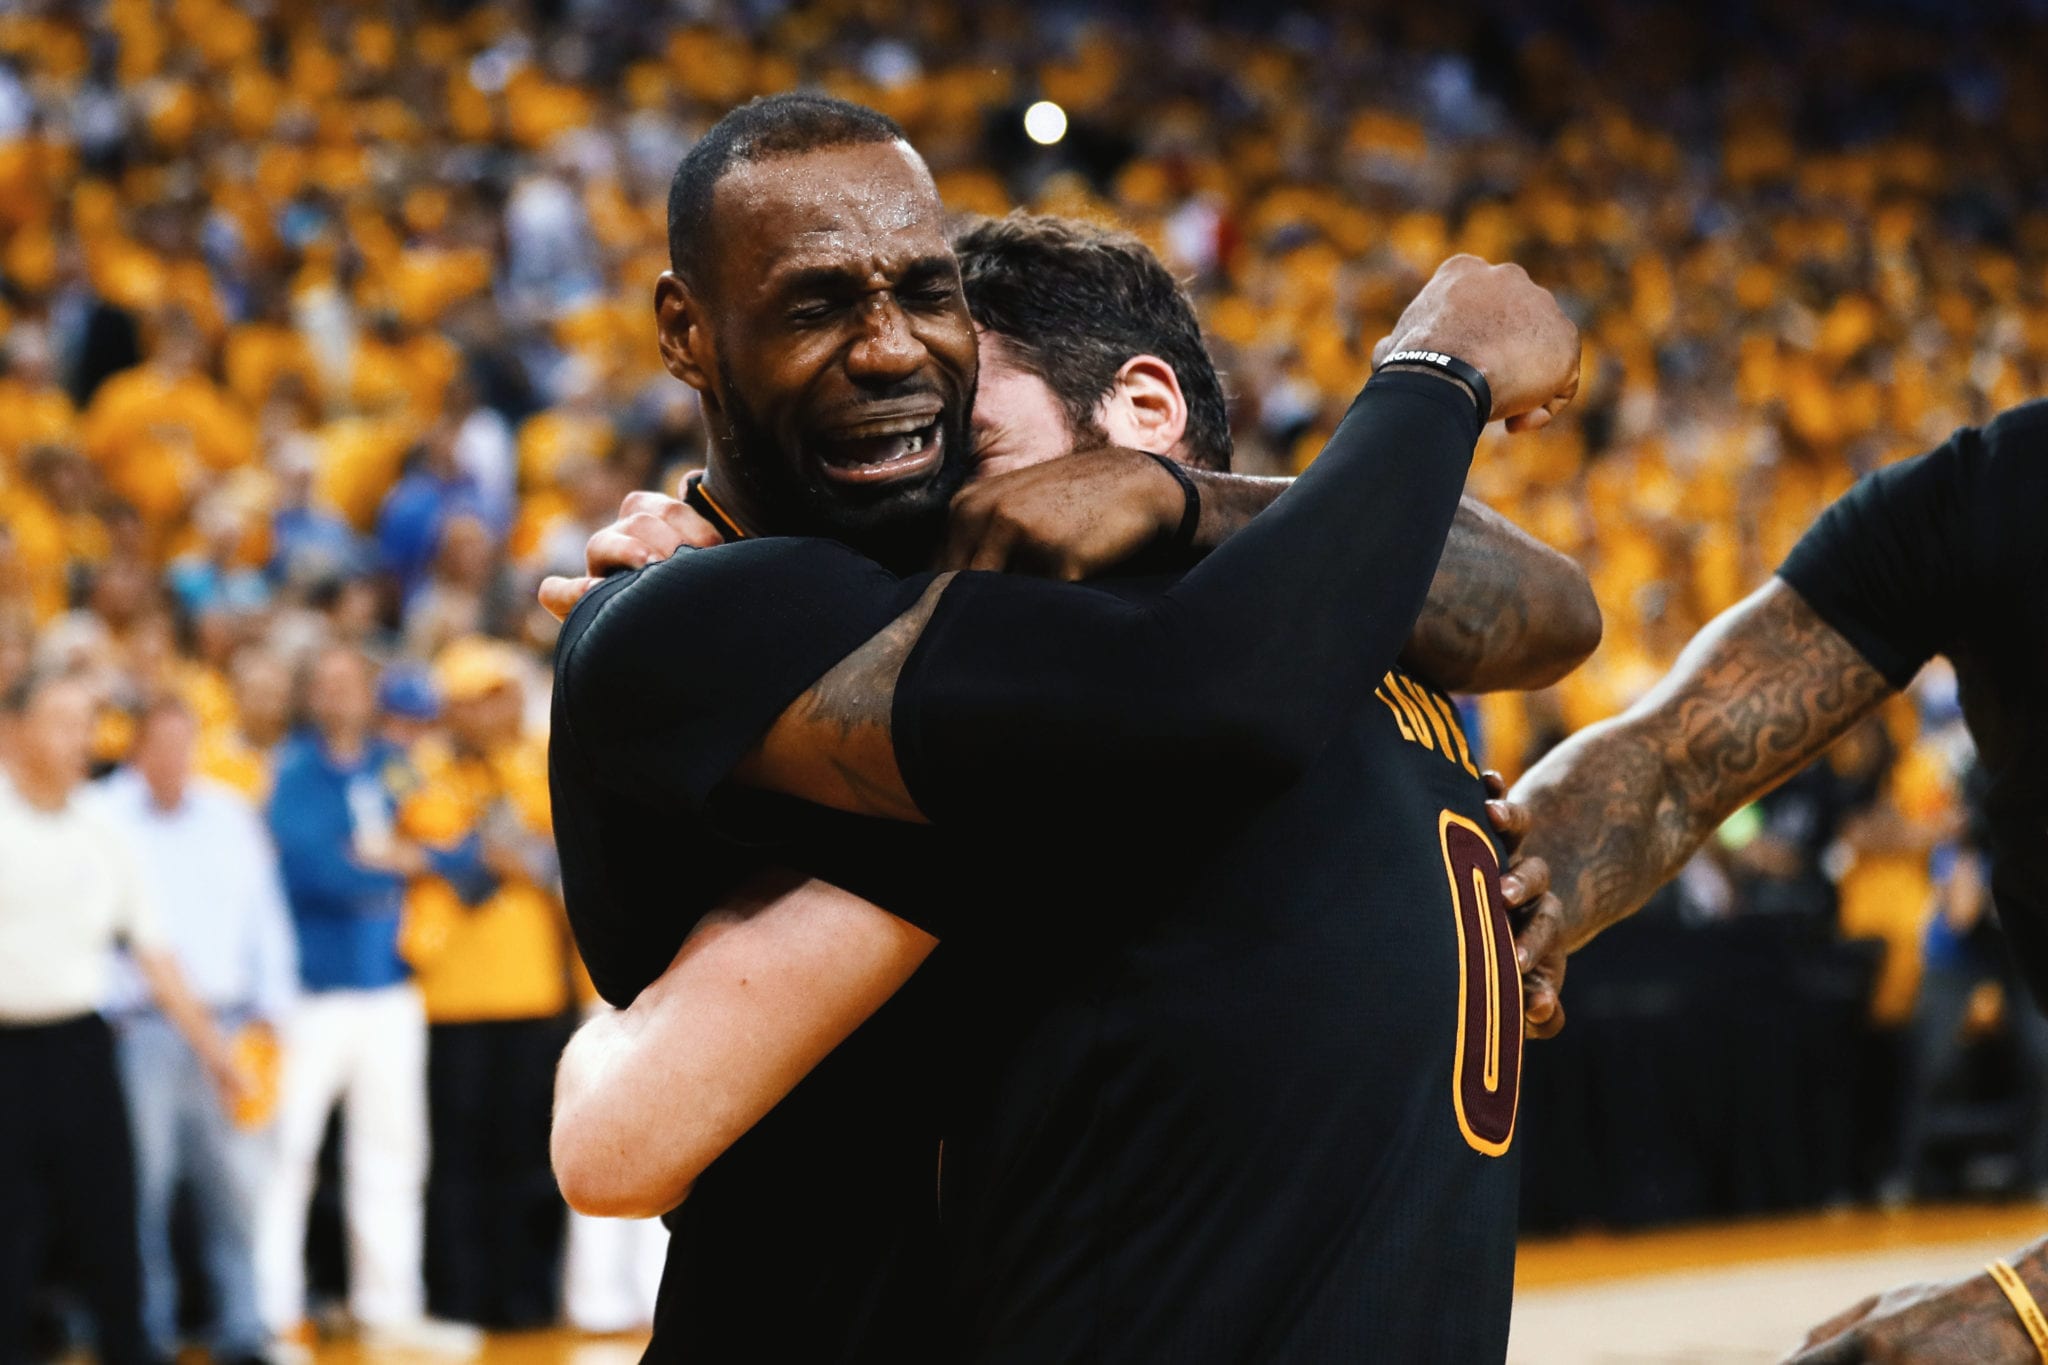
325,334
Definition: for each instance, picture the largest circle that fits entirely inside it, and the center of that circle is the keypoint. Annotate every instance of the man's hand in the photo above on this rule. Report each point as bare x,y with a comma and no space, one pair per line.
1067,518
400,857
232,1086
1525,886
651,527
1932,1324
1495,318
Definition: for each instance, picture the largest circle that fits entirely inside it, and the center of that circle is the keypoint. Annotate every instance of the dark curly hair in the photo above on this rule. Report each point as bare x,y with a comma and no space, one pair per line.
1073,302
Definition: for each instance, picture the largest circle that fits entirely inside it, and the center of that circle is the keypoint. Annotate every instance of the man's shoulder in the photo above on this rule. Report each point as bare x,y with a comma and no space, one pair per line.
1980,464
2023,430
708,603
701,575
2009,462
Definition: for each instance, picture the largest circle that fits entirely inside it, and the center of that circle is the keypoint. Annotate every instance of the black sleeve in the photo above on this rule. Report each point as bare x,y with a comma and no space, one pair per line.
665,678
1889,564
671,674
1025,697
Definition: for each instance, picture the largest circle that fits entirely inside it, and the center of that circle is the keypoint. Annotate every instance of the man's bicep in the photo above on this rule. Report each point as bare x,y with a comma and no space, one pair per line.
834,745
760,993
765,988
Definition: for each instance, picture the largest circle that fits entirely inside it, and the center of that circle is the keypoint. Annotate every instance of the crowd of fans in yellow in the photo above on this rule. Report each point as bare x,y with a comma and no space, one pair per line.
330,321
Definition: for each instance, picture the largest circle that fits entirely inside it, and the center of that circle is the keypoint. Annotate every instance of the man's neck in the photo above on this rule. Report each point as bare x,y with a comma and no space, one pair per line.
345,747
729,497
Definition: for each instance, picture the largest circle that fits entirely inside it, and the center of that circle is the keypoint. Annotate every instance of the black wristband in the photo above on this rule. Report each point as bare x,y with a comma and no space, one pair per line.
1482,392
1191,516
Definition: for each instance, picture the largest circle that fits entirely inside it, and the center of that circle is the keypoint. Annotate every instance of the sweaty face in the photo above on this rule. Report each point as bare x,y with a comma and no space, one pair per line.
844,356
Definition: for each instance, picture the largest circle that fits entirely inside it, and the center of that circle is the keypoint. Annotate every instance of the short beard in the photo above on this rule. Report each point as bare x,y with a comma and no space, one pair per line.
899,528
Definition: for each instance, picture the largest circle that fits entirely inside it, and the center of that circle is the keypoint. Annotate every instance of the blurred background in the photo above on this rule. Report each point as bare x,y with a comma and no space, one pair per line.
328,323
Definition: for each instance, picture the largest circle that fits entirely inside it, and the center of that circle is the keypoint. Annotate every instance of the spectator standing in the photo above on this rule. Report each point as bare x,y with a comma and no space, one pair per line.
241,749
490,941
209,862
69,892
358,1036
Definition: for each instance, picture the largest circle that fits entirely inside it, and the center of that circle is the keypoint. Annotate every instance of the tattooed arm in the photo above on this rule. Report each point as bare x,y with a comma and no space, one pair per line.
1505,611
1617,809
835,744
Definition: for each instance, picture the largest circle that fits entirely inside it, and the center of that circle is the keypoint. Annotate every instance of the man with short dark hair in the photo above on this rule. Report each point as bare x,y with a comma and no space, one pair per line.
1176,735
1114,301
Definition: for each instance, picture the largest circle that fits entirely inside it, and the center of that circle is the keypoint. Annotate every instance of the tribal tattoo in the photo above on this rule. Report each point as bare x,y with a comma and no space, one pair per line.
1620,807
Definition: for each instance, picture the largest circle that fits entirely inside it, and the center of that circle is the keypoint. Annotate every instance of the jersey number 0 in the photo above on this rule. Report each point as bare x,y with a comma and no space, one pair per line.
1486,1078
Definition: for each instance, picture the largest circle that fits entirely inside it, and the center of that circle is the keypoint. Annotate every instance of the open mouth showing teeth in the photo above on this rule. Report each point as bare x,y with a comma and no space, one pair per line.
882,456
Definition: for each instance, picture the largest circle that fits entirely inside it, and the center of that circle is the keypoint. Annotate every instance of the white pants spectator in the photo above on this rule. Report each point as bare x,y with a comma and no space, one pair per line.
366,1050
613,1272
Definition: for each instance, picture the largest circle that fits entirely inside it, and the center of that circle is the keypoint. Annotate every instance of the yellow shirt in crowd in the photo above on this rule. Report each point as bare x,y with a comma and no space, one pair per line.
507,958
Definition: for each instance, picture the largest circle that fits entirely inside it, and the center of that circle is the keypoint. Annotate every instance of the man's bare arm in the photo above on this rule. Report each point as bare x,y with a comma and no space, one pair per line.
835,745
1505,611
1968,1318
1618,808
760,993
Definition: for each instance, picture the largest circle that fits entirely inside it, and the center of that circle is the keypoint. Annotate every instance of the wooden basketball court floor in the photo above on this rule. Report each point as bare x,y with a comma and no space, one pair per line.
1728,1294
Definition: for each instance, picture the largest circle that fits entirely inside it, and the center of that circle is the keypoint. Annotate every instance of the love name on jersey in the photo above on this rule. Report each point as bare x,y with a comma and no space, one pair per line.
1426,718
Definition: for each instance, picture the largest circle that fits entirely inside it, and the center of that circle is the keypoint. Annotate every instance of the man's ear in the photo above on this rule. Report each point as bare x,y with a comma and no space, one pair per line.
1144,408
681,333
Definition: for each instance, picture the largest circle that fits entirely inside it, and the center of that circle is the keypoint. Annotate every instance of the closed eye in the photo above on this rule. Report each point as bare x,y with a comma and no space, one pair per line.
813,312
931,296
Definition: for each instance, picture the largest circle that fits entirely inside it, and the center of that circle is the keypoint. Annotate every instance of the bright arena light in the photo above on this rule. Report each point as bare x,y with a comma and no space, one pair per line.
1045,123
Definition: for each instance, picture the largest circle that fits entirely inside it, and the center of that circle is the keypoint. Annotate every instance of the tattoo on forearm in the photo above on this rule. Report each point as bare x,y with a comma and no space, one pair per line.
1620,807
846,715
1505,611
1477,607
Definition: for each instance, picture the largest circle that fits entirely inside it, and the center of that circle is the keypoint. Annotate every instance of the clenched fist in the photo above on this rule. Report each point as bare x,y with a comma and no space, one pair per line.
1495,318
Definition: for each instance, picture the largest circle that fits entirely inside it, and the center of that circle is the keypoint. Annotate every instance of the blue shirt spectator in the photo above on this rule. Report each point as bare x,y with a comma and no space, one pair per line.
324,812
434,489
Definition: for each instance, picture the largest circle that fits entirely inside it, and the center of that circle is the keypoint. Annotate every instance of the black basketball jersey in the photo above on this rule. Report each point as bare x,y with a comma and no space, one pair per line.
1274,1120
